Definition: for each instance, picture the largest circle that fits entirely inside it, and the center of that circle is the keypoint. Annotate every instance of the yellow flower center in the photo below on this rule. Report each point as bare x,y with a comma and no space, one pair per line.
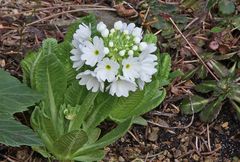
96,52
108,67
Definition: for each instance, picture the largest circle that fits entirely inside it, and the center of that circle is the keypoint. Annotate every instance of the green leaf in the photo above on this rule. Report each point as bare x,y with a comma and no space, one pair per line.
75,94
15,134
91,156
175,74
69,143
107,139
216,29
206,86
196,103
202,72
189,74
164,66
150,38
15,96
28,65
124,106
226,7
63,55
138,102
88,101
237,108
140,121
220,70
100,112
211,111
51,80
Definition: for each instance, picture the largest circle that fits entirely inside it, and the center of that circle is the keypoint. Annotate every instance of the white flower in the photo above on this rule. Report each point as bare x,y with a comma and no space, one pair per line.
143,46
137,32
140,84
106,50
118,25
131,68
76,58
121,87
137,40
89,79
135,48
130,27
107,70
105,33
150,48
117,58
110,44
83,33
101,27
122,52
147,62
130,52
93,52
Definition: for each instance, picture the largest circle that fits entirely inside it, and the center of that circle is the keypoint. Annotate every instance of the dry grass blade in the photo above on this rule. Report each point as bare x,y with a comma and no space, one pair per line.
71,11
193,50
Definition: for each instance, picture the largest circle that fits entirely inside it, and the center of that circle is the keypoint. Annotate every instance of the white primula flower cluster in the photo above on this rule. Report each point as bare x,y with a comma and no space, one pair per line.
116,60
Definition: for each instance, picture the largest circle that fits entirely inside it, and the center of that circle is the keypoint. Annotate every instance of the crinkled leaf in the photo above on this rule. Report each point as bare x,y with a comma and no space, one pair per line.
83,110
206,86
28,65
69,143
150,38
51,79
96,155
75,94
138,102
14,133
15,96
164,66
107,139
100,112
193,105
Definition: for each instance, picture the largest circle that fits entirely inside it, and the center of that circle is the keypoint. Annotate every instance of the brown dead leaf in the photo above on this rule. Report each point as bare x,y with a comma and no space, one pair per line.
123,11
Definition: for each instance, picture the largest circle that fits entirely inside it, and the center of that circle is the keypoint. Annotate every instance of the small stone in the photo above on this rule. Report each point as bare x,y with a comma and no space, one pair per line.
2,63
196,157
121,159
153,136
225,125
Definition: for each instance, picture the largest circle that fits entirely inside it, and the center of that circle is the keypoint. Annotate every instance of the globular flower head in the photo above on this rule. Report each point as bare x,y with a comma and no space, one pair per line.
117,60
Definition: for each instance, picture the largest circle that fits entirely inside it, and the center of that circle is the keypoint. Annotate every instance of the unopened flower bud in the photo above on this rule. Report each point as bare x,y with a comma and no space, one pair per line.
105,33
118,25
101,27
